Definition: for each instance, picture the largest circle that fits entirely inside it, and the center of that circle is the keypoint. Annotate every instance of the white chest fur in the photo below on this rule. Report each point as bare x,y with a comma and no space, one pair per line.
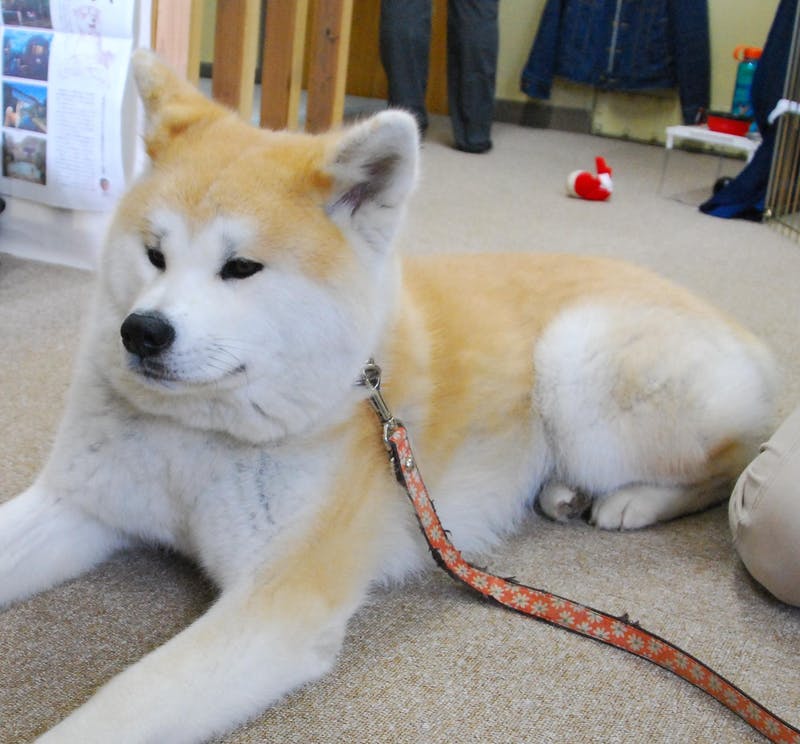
219,501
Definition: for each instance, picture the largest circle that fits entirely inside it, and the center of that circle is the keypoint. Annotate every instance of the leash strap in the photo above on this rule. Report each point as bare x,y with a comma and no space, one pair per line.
619,632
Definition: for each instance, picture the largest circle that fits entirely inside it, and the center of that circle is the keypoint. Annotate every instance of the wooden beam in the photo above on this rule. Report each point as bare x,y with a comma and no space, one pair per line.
177,29
282,65
327,75
235,45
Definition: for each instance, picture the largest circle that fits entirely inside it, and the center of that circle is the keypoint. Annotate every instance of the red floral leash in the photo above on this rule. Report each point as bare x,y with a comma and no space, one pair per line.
619,632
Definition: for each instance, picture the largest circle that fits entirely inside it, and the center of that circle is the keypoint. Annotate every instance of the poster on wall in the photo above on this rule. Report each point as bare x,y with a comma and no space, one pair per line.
69,111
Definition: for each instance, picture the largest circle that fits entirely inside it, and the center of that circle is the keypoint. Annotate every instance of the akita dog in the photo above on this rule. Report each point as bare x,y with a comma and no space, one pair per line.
214,409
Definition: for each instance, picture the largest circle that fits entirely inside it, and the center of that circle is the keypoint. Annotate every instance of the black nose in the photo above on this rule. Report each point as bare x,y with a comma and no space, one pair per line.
147,334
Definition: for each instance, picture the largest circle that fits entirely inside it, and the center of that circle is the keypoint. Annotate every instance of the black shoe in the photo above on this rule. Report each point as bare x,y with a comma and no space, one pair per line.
479,148
720,184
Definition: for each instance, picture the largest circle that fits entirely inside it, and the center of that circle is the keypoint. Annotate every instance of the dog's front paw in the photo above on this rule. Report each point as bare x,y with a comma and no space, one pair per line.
561,503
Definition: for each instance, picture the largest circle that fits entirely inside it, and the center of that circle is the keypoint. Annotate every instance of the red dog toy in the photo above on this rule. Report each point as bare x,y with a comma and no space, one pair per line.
585,185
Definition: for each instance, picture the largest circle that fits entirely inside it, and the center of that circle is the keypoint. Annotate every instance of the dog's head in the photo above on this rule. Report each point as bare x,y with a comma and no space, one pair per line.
249,273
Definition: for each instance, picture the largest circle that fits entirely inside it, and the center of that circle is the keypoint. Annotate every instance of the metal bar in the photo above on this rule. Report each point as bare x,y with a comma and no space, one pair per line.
782,191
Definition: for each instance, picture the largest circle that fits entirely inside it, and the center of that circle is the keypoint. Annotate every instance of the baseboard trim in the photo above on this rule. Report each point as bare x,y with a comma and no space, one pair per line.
543,116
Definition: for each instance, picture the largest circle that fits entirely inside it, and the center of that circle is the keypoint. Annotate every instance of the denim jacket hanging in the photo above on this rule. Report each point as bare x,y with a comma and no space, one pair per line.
624,45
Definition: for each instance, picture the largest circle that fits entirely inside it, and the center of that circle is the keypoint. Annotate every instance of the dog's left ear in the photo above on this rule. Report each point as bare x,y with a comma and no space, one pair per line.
374,168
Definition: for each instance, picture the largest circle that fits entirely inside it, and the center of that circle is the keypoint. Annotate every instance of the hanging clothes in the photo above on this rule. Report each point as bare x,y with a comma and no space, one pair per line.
627,45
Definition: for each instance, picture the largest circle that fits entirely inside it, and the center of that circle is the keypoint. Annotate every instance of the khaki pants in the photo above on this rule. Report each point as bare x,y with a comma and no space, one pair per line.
765,513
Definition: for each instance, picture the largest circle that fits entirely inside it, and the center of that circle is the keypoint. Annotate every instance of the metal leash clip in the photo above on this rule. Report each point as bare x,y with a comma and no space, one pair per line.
371,379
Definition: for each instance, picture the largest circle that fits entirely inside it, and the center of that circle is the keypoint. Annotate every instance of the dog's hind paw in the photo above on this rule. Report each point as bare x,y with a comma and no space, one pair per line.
634,507
562,503
640,505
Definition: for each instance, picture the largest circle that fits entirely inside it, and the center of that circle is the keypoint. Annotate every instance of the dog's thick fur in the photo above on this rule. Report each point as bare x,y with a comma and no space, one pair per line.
252,273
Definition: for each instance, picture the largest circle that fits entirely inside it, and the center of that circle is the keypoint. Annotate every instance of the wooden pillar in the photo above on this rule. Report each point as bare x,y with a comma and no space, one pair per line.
177,28
235,43
327,74
282,65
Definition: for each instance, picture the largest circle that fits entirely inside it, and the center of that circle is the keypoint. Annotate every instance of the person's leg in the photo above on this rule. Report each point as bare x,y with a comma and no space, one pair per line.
744,196
472,47
405,34
765,513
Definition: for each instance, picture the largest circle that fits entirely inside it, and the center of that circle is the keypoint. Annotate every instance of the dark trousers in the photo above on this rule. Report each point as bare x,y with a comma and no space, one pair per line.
746,194
472,44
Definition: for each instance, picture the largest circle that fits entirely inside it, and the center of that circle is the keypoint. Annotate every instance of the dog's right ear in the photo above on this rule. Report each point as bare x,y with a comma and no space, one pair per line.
172,105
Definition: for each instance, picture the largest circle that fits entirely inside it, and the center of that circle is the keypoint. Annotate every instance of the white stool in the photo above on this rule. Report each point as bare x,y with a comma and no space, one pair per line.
702,133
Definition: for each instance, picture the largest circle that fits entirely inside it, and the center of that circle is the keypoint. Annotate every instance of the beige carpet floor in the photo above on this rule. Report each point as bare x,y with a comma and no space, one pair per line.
425,662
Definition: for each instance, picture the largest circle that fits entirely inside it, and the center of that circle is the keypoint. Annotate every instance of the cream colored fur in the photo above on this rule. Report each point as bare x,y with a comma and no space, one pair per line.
233,432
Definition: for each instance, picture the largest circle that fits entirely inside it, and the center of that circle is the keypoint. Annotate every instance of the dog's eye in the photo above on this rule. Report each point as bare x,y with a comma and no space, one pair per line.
156,257
240,268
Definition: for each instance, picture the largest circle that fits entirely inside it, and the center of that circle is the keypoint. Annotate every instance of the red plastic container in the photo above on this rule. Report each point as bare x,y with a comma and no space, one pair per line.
720,121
